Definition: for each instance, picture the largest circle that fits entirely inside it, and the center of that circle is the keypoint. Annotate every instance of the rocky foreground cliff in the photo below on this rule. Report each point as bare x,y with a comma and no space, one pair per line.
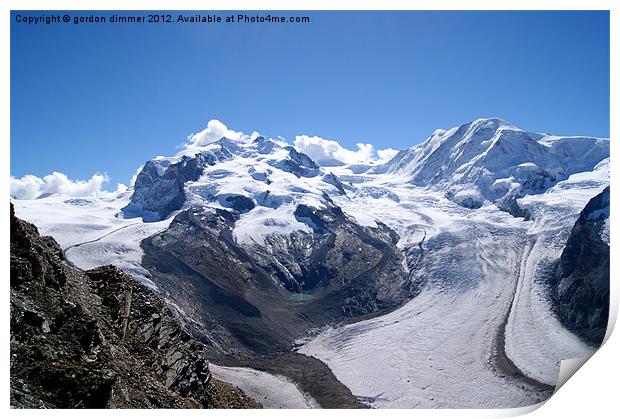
580,289
98,339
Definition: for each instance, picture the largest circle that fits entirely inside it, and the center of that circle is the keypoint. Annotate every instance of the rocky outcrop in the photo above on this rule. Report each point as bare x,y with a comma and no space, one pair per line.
580,289
332,179
159,187
98,339
298,164
155,194
239,203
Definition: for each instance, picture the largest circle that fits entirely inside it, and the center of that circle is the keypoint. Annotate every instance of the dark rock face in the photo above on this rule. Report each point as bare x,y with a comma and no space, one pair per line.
158,190
298,164
98,339
509,204
256,299
580,290
263,145
155,195
239,203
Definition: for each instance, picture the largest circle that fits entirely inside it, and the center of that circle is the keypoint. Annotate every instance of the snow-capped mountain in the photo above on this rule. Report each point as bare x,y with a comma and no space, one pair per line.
261,176
451,246
490,159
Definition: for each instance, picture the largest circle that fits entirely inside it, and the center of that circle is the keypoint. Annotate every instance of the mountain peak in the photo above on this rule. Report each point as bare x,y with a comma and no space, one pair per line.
490,159
490,121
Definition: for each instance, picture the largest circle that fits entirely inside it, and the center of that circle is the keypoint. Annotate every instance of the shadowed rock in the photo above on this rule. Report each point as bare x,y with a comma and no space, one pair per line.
580,289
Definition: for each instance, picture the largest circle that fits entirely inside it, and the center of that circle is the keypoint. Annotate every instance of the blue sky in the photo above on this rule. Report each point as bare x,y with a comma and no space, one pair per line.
105,98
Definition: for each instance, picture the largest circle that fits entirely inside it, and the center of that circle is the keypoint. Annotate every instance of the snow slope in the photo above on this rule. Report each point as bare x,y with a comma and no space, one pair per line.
91,231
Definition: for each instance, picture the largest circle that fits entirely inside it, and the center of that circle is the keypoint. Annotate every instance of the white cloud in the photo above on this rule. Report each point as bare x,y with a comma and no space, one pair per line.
30,186
386,155
120,188
320,149
214,131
